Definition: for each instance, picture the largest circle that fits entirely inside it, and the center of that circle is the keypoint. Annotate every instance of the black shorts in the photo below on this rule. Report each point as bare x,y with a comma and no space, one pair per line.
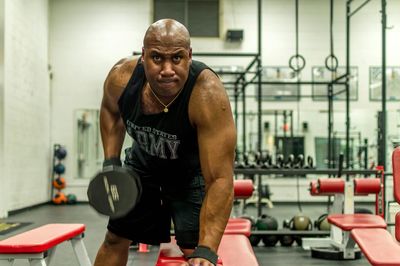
150,221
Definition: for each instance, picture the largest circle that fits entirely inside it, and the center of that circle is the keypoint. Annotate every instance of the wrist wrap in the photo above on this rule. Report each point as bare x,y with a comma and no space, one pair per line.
205,253
113,161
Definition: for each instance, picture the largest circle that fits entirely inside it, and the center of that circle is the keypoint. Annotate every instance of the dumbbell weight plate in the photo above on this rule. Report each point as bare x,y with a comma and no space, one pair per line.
114,191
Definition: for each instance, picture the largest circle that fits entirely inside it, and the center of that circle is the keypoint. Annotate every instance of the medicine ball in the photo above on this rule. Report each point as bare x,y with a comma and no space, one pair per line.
59,169
60,153
71,199
269,223
59,198
59,183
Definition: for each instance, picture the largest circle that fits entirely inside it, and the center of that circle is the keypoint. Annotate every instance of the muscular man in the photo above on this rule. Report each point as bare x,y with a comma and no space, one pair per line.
177,111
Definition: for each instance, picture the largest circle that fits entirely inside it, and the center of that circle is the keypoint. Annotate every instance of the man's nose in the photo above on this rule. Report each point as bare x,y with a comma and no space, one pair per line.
167,68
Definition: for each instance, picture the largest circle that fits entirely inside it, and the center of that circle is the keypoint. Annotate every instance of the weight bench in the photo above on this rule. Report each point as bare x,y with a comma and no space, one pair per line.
377,244
340,244
38,245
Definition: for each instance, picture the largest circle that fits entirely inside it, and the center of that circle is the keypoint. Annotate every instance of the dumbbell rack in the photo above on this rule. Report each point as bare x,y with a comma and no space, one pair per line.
258,173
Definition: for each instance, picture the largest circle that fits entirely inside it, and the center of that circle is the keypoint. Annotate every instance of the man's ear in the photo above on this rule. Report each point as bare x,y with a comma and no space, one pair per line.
190,54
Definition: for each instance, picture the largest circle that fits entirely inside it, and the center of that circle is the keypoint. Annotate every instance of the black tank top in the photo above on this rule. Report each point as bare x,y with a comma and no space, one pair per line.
165,145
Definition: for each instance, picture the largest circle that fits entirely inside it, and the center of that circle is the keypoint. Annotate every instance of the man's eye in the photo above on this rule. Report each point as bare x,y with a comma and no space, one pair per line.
177,58
156,58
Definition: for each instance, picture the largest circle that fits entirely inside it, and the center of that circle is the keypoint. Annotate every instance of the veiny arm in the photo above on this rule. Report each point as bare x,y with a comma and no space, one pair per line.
210,113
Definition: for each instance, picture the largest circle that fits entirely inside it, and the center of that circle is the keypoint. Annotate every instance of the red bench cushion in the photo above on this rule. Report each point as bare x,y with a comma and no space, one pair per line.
378,246
396,173
243,188
237,226
236,250
348,222
397,226
41,239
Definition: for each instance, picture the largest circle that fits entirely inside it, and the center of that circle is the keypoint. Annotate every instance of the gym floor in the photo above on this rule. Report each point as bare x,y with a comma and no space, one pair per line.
95,229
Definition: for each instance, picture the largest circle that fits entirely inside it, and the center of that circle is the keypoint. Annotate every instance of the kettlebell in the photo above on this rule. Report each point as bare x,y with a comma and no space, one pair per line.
322,223
266,222
300,222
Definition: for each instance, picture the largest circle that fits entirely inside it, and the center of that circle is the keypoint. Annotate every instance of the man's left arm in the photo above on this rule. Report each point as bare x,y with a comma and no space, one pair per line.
211,114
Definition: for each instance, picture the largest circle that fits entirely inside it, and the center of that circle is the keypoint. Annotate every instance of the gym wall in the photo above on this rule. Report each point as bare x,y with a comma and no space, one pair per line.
3,198
25,104
88,37
81,39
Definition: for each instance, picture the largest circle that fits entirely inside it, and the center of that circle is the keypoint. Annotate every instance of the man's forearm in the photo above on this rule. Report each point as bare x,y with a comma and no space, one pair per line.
215,212
112,134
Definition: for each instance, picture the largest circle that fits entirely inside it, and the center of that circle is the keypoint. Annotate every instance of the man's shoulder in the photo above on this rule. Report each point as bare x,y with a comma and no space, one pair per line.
120,73
126,64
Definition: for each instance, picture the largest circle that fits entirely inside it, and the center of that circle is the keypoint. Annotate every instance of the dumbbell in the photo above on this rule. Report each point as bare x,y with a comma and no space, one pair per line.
114,191
267,162
290,162
279,161
299,162
310,163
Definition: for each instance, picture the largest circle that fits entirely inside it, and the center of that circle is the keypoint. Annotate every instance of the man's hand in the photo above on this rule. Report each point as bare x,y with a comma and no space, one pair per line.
202,256
197,262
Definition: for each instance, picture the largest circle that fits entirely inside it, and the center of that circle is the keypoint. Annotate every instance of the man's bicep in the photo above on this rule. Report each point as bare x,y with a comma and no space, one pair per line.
217,140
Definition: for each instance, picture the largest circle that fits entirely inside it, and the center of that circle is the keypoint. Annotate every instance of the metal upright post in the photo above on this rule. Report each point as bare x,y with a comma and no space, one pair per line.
330,126
383,124
383,129
259,70
348,15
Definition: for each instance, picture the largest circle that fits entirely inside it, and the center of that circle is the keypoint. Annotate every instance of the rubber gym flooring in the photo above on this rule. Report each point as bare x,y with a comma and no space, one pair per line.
95,224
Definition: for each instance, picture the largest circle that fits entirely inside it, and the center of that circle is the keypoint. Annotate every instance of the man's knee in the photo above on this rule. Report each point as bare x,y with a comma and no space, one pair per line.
112,240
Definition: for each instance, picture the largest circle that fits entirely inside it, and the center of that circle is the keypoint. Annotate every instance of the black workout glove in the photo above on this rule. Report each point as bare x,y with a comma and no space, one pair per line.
110,162
204,253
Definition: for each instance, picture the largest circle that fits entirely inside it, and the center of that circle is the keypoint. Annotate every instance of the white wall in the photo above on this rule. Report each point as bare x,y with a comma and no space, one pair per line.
88,37
26,131
3,196
279,44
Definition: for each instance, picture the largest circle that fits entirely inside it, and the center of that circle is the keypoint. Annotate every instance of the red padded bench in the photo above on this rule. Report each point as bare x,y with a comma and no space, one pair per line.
348,222
38,245
238,226
234,250
378,246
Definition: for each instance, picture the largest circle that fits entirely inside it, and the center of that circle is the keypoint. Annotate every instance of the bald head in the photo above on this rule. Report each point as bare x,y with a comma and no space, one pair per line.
167,32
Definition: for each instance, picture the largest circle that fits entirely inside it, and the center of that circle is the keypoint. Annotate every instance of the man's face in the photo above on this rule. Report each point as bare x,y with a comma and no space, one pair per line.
166,67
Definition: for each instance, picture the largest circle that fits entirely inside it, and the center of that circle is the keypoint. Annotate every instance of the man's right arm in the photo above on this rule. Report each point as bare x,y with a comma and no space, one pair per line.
111,124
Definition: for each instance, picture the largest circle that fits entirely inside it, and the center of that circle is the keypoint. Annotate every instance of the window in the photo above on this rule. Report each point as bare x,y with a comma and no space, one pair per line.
279,92
392,83
320,92
201,17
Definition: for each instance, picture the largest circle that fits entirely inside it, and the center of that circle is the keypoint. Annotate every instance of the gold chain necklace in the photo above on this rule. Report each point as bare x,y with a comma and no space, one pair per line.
165,105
